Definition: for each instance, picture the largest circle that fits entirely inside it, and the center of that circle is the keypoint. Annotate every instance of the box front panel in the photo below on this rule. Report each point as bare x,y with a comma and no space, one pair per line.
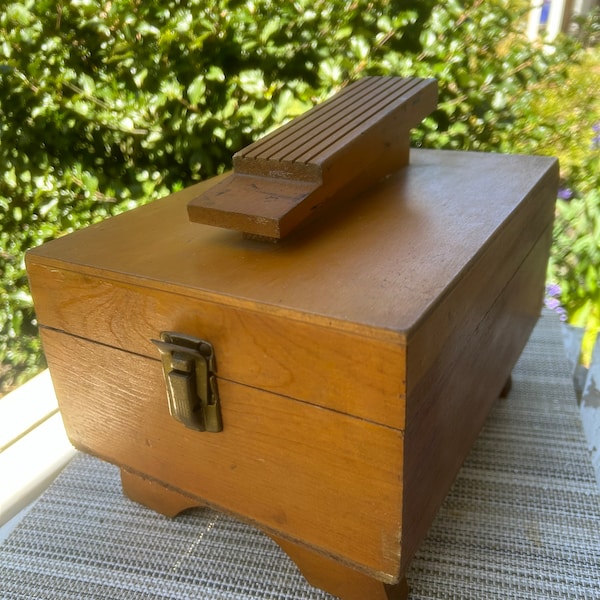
331,481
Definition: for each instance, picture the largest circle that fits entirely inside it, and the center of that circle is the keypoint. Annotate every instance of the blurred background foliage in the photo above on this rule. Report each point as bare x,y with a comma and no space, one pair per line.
107,104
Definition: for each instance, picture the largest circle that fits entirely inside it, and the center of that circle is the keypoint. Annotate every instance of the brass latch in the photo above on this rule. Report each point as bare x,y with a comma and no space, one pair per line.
189,369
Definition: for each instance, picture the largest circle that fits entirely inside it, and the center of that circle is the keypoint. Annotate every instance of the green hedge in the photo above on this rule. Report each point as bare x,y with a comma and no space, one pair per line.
106,105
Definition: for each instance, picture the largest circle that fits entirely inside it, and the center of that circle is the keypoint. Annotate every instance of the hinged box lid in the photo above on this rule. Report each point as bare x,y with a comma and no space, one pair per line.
323,316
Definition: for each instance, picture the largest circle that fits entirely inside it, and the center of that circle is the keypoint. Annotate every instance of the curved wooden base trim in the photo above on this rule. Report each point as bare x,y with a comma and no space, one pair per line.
320,571
154,495
338,579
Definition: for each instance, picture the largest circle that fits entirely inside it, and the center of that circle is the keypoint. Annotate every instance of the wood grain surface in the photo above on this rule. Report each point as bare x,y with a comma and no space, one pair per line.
305,473
331,153
448,407
377,268
357,359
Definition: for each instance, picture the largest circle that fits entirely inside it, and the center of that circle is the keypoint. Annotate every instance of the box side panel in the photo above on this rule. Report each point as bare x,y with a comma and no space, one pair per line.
320,478
327,367
452,401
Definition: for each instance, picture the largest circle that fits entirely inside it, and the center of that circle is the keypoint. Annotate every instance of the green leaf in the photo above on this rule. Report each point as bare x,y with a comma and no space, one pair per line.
140,76
196,89
271,27
252,82
360,47
215,73
10,178
19,14
145,29
171,88
87,84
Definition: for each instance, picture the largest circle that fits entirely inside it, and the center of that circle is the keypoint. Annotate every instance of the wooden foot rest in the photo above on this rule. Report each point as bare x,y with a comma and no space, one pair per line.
340,147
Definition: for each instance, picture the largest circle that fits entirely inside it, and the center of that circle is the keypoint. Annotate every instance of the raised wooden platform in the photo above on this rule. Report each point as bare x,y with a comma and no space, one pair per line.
335,150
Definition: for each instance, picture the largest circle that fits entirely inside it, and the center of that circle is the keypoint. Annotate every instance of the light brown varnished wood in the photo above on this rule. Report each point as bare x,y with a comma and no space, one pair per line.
155,495
329,154
450,404
349,373
357,359
354,287
319,570
338,579
463,306
316,137
378,269
294,469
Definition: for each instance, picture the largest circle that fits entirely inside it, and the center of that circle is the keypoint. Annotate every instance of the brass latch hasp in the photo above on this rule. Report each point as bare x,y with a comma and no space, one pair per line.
189,368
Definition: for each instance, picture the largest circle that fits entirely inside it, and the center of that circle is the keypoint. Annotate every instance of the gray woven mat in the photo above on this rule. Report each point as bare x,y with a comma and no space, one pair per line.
522,521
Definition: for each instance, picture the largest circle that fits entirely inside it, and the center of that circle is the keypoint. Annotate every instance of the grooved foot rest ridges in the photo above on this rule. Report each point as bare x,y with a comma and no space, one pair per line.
338,148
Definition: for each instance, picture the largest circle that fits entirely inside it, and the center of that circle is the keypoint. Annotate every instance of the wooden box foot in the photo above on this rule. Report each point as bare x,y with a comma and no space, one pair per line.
506,389
338,579
154,495
321,572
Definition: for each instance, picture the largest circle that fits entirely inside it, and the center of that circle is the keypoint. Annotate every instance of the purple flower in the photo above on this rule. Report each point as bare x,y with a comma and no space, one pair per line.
565,193
552,300
562,313
596,138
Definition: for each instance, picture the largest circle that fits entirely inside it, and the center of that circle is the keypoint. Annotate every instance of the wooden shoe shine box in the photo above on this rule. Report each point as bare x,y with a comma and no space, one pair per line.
325,388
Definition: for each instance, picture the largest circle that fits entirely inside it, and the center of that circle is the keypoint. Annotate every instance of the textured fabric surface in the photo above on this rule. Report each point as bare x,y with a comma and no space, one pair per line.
521,521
